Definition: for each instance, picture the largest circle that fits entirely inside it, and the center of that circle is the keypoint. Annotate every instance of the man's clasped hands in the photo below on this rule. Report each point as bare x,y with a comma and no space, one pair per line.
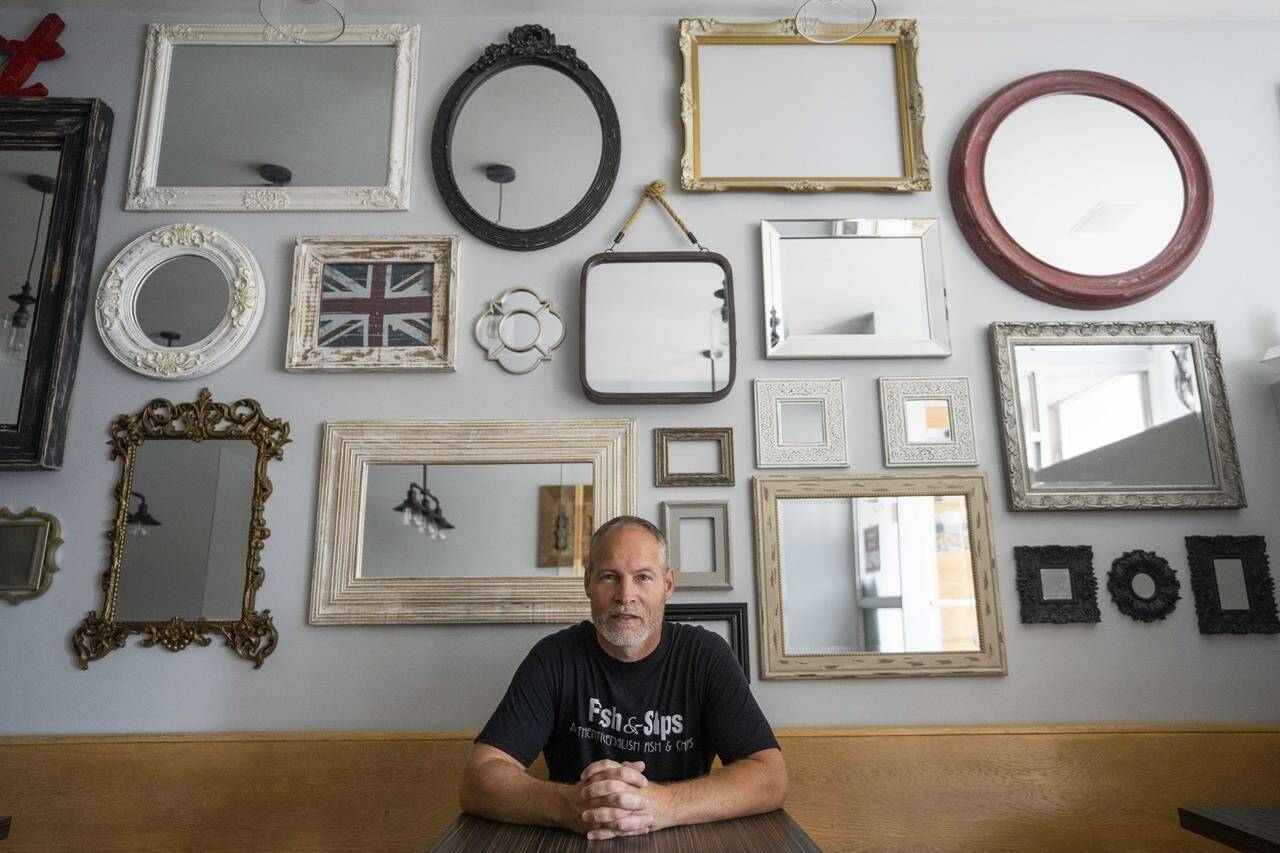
615,799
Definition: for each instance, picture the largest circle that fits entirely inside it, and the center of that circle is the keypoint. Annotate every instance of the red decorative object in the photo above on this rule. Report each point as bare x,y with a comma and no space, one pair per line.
1007,259
41,46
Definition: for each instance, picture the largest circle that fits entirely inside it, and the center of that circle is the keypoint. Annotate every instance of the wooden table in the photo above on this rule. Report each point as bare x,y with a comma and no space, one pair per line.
4,826
772,832
1255,829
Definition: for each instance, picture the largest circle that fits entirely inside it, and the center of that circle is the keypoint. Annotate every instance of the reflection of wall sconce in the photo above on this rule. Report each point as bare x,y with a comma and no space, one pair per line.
519,330
141,519
423,511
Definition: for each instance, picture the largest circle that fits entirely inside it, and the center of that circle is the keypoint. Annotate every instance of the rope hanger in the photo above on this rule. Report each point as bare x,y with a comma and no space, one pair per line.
655,191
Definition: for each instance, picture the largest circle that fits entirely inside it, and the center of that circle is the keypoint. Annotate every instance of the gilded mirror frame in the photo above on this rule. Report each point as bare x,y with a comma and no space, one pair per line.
144,194
776,662
340,596
42,563
900,33
1228,490
253,636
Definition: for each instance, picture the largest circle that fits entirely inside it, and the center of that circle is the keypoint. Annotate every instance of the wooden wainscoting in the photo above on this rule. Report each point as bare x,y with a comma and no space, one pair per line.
1026,788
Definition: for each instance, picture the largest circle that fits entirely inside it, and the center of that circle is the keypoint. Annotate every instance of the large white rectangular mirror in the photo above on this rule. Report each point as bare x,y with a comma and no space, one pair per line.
853,288
235,118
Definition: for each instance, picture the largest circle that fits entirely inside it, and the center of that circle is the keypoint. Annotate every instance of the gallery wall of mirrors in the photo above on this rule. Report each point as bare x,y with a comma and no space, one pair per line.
856,572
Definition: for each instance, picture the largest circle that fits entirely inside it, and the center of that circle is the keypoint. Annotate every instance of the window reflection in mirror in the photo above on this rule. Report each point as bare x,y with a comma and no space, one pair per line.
182,301
26,184
1104,415
876,574
493,524
1233,594
928,421
185,551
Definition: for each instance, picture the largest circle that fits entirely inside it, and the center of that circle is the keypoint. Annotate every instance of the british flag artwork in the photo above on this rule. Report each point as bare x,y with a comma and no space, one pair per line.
376,305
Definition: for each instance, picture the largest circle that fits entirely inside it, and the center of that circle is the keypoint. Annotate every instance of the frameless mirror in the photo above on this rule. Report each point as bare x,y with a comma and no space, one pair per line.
1055,585
1144,586
1233,593
441,520
182,301
657,327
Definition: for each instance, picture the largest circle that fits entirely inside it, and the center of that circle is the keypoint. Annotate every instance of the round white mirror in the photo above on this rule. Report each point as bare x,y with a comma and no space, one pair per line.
182,301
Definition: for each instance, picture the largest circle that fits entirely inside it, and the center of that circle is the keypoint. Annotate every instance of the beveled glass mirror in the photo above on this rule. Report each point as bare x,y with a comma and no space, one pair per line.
464,521
657,327
235,117
1115,416
862,576
28,540
188,530
526,143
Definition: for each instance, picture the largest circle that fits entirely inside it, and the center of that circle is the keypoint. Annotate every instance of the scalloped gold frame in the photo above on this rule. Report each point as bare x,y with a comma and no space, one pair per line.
50,542
252,636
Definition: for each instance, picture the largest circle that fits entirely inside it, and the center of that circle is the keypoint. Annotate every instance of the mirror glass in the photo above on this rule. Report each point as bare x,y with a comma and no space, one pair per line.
1144,586
1232,591
876,574
1055,585
497,521
801,422
21,553
186,550
1084,184
322,112
24,226
526,146
1112,415
928,421
182,301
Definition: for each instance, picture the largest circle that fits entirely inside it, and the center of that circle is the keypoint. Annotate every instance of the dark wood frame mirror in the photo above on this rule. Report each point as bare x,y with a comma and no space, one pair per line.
252,636
1251,551
80,128
526,45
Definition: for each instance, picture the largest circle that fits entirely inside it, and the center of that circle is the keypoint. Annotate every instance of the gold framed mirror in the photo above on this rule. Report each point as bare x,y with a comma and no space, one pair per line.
188,529
27,542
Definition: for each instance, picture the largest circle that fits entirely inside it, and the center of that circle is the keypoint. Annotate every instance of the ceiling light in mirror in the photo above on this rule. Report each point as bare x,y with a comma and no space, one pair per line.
305,21
182,301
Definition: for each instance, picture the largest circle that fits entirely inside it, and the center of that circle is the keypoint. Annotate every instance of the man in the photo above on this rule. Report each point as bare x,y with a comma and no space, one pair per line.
629,711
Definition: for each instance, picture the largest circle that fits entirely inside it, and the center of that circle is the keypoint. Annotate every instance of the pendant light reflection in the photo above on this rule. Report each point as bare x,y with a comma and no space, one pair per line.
499,173
19,320
139,521
305,21
813,15
421,509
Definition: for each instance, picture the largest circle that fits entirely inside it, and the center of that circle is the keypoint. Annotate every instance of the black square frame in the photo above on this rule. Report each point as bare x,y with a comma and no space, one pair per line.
1251,551
1033,607
735,613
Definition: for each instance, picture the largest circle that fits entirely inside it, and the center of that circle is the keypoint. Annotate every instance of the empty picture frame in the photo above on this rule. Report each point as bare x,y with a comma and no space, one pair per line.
800,423
763,108
1056,584
1232,583
927,420
854,288
693,456
698,543
727,620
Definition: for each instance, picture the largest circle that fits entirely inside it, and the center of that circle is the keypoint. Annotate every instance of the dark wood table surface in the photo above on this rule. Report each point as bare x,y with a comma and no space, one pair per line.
772,832
4,826
1255,829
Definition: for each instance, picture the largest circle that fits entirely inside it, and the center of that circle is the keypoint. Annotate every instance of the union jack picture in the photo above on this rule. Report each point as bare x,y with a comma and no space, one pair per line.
375,305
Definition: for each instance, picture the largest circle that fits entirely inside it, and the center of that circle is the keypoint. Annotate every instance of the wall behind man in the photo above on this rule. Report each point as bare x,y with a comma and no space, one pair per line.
1220,77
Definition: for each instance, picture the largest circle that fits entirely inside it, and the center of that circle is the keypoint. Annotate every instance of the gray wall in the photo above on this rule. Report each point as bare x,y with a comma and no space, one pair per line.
1220,77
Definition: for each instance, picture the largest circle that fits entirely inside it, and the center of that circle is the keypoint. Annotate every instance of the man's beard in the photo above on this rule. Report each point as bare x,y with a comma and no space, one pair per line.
627,638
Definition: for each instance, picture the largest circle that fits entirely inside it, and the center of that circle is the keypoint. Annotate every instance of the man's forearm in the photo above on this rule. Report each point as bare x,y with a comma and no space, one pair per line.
503,791
746,787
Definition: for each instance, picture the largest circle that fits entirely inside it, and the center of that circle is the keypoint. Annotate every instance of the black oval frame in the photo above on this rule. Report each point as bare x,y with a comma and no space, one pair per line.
530,44
1120,585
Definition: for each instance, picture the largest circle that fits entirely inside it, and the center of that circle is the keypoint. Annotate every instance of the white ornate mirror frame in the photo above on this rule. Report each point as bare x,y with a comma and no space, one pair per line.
340,596
116,308
144,162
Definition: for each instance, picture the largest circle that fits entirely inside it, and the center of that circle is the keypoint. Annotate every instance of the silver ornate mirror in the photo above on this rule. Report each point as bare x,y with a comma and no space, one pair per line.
518,330
1115,416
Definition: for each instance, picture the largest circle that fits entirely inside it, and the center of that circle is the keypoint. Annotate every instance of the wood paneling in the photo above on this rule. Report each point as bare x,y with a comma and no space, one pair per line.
1042,788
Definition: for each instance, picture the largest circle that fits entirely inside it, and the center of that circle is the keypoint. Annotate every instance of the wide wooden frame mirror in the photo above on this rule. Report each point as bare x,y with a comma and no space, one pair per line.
252,439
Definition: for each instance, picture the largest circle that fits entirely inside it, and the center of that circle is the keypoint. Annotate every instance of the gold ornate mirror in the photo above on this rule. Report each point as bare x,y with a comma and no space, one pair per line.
27,542
188,529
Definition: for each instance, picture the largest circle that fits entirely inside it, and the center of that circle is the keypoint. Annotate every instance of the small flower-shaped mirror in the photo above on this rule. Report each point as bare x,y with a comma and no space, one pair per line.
519,330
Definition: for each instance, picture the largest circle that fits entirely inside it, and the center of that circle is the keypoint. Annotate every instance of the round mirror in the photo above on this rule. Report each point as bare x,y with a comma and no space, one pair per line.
1080,189
1143,585
182,301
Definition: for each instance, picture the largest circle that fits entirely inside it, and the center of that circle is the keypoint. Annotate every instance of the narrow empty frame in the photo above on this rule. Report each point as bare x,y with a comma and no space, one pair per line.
800,423
698,543
693,456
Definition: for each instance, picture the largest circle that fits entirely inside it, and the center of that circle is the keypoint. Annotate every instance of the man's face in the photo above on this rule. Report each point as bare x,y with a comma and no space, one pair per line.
629,587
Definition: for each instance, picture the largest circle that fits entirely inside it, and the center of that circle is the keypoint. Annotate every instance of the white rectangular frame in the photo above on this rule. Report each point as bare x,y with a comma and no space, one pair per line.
895,391
144,163
672,513
773,231
770,453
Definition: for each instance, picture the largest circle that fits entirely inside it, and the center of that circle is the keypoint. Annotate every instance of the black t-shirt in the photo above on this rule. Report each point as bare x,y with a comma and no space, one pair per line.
675,709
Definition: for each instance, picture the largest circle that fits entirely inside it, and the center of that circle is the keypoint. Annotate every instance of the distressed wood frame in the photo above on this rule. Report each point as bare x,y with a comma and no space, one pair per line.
721,575
42,563
662,438
310,254
734,612
900,33
775,662
340,596
144,163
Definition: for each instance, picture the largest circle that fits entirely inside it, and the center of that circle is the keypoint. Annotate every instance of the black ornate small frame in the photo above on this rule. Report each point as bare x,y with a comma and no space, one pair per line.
1120,584
1251,551
252,636
662,438
526,45
735,613
1033,606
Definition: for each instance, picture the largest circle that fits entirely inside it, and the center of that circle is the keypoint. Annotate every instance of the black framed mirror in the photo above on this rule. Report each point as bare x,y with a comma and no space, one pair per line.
526,143
1143,586
53,155
1056,584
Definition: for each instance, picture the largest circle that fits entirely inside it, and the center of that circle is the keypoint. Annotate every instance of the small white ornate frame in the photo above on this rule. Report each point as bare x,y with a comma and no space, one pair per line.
551,329
895,391
720,576
901,33
771,453
340,596
311,254
116,307
42,566
143,194
776,662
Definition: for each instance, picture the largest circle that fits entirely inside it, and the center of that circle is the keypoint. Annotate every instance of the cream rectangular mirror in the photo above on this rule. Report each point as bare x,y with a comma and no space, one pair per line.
1165,442
464,521
763,107
853,288
865,576
235,117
